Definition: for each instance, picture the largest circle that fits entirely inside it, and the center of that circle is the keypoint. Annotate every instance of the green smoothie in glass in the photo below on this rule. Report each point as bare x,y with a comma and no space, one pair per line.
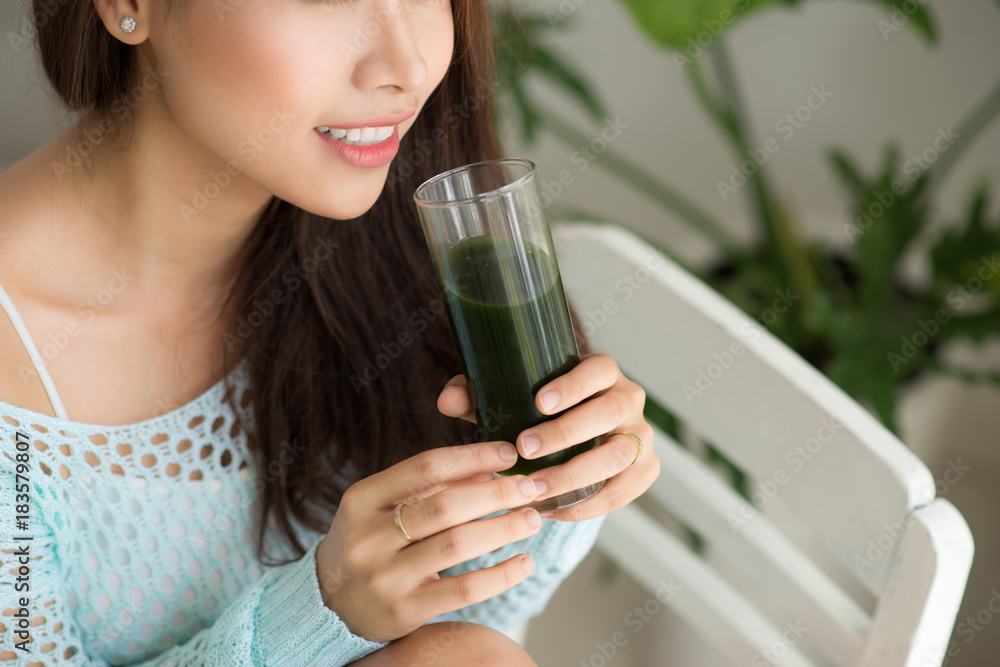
515,343
496,266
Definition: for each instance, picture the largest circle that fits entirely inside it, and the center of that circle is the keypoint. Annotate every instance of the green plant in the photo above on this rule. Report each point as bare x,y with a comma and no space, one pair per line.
857,320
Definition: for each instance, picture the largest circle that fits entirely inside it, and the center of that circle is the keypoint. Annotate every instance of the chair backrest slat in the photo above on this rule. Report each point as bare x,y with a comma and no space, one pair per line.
760,557
838,481
912,624
665,566
712,360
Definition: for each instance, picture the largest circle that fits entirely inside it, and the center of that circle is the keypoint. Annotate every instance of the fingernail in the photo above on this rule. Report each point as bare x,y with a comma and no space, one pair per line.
533,518
527,563
508,452
529,444
540,485
527,486
549,400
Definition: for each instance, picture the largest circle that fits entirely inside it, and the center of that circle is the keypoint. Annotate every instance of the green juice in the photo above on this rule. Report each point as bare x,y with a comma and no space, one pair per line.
510,344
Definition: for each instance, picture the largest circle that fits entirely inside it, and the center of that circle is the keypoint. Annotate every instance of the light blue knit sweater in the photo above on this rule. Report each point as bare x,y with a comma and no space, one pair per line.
134,544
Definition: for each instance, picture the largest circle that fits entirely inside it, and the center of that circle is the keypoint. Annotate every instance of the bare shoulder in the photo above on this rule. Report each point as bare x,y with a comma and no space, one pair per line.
26,189
24,211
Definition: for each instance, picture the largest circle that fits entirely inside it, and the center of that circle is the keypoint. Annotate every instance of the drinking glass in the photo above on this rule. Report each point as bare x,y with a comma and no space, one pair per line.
495,264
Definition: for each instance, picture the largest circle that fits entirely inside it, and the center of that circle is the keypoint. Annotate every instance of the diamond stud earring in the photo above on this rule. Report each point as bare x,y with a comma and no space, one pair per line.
127,24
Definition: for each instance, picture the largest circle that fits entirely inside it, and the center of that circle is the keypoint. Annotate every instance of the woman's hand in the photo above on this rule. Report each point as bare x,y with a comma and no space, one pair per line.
382,586
602,401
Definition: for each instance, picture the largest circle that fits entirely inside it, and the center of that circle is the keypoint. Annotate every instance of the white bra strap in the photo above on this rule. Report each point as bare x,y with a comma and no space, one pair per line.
43,373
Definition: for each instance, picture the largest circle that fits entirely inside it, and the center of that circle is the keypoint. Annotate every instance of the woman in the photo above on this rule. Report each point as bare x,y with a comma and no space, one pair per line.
199,214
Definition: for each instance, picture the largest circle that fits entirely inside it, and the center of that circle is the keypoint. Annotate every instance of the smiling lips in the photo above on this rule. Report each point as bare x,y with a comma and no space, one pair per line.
367,132
364,136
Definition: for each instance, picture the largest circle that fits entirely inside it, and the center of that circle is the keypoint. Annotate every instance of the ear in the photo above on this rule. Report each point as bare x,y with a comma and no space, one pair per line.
113,11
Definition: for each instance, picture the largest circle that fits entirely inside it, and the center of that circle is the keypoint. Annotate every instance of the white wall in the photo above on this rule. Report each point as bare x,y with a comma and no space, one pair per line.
882,89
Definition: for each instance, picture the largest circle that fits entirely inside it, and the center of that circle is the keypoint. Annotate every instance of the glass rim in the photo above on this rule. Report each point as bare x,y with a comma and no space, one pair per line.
492,194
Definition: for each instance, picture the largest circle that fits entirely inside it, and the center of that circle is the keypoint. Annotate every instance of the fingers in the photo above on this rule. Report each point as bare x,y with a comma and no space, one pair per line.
470,541
419,474
616,492
458,505
607,459
455,401
590,419
472,479
594,373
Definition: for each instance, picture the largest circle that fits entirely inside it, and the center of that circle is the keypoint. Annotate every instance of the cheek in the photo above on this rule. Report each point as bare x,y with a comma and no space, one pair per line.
250,87
248,84
438,44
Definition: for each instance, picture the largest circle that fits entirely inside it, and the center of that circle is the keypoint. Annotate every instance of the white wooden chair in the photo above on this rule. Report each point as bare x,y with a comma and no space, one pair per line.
845,537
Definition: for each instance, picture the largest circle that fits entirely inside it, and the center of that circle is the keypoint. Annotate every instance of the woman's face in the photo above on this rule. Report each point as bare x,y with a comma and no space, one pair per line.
251,80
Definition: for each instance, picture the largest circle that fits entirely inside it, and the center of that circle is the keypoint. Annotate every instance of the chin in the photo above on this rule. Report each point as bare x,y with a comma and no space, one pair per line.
339,209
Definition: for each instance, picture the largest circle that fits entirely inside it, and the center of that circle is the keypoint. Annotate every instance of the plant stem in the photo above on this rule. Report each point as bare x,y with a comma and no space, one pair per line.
662,193
715,111
968,130
789,256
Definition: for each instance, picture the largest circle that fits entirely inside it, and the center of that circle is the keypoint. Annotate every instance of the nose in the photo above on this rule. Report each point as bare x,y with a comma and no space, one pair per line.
392,57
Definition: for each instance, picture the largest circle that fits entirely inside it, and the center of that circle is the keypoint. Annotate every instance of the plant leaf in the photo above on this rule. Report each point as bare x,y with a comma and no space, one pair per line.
911,14
965,260
692,24
888,211
548,64
520,49
677,24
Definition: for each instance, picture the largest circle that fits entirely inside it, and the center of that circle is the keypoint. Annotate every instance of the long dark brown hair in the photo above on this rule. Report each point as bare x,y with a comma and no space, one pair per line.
324,402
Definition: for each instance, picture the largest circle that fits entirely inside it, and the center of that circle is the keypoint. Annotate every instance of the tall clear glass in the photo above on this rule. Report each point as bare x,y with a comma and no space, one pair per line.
496,266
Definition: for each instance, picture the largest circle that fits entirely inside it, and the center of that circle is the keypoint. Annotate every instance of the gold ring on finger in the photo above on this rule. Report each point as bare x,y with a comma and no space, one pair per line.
638,444
398,520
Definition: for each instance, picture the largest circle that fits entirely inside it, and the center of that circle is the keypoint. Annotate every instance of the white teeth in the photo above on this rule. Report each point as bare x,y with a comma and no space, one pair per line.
365,136
332,131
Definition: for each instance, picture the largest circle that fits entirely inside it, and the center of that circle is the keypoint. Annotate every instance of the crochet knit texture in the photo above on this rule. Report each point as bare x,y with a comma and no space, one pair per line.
140,548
